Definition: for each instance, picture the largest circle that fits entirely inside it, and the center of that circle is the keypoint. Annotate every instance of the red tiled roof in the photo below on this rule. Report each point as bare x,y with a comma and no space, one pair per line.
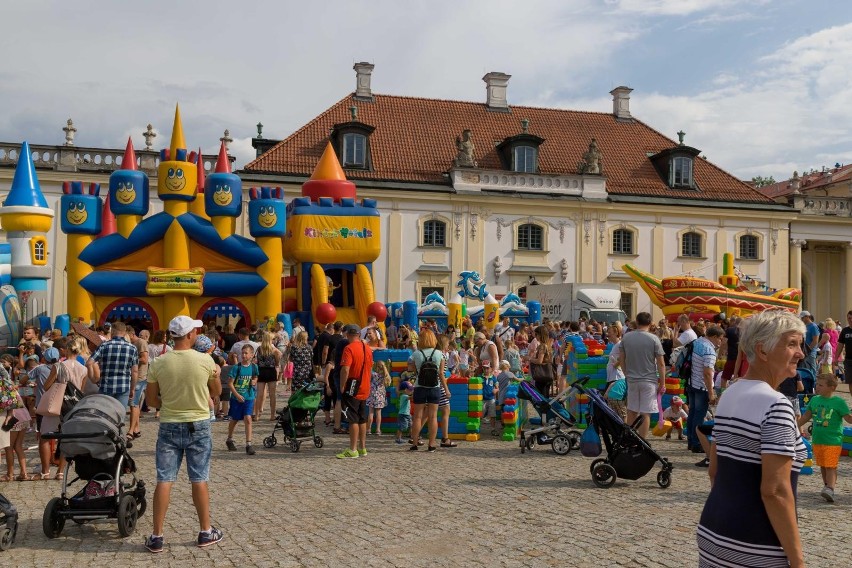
809,182
414,141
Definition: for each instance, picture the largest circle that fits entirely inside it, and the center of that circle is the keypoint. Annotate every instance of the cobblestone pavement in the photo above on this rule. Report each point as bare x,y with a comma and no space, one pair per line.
482,502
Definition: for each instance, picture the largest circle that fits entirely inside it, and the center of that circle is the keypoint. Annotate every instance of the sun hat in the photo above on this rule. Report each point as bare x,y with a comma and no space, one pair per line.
676,400
203,344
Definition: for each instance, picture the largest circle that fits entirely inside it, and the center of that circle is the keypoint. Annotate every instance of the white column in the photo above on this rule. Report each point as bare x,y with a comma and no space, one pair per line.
848,278
796,263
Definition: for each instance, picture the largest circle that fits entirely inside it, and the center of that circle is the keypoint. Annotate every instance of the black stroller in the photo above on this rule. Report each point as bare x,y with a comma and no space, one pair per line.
8,523
629,456
93,441
556,423
297,420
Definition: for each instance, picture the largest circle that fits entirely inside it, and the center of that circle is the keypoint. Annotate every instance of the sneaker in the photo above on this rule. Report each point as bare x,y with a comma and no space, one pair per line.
154,544
827,494
347,454
400,441
212,416
212,536
232,447
703,463
250,450
362,452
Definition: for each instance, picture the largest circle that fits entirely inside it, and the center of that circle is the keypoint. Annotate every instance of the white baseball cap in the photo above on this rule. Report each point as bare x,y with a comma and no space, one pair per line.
182,325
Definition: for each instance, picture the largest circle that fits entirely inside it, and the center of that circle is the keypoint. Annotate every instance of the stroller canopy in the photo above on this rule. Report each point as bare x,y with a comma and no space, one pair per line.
94,413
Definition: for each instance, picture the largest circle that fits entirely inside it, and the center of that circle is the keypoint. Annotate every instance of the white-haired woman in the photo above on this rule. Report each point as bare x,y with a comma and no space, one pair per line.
749,518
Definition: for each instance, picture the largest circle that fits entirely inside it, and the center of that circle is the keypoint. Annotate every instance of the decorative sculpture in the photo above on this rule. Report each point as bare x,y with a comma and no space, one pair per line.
465,147
592,162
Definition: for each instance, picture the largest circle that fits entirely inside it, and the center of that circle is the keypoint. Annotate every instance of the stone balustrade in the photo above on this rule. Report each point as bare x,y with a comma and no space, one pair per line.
831,206
466,180
93,160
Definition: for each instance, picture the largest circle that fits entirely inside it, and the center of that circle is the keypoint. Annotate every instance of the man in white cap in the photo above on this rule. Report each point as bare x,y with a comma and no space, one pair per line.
180,384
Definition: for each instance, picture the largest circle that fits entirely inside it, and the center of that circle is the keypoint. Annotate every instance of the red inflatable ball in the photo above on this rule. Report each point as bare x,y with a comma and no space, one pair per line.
326,313
378,310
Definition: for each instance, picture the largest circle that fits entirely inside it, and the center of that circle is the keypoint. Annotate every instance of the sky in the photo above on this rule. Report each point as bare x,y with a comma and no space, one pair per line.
761,87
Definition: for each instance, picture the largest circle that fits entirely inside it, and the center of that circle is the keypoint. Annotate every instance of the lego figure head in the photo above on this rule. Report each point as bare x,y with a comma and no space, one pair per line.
81,213
267,212
176,174
223,191
128,188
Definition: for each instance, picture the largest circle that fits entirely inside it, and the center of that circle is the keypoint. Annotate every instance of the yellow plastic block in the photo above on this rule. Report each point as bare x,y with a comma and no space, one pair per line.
471,437
475,387
474,397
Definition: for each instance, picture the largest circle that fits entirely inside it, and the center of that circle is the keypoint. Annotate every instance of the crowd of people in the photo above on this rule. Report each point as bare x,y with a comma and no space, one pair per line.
741,392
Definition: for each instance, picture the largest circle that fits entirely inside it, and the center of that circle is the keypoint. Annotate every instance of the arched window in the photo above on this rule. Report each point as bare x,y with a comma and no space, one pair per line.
530,237
38,251
434,233
354,150
622,241
749,247
525,158
690,244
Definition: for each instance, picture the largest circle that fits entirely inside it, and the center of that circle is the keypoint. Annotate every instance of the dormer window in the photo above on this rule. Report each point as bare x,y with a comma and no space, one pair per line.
680,172
520,153
351,141
354,150
525,159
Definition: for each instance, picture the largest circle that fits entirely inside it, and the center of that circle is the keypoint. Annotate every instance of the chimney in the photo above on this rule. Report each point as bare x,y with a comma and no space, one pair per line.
621,103
363,73
495,91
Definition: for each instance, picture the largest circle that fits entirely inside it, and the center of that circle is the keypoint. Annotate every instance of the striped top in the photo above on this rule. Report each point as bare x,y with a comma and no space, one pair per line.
751,419
703,357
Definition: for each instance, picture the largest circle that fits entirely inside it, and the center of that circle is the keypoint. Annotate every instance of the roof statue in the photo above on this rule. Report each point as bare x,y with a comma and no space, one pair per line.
465,147
592,162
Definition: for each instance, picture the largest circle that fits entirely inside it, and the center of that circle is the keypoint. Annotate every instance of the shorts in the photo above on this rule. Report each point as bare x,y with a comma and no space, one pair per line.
642,397
489,408
122,397
826,456
267,375
425,395
175,441
443,399
403,422
139,394
226,395
238,410
354,409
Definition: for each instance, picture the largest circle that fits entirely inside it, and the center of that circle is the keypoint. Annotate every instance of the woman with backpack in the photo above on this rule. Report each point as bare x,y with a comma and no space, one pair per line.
429,365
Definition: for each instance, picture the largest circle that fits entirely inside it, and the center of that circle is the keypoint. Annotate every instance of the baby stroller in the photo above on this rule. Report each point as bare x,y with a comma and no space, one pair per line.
555,421
297,420
8,523
628,455
93,441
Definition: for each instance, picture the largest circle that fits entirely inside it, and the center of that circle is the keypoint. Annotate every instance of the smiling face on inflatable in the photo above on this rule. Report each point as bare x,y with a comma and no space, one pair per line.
125,193
128,192
267,217
175,180
222,195
76,213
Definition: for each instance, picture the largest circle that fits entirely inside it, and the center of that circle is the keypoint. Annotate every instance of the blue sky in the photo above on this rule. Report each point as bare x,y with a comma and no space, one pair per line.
762,87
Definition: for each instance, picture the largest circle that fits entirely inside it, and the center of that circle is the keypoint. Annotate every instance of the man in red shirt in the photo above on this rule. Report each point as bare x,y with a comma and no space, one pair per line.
356,366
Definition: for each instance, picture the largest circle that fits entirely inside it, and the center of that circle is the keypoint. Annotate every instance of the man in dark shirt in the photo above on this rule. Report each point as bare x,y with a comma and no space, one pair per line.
732,334
229,338
320,347
844,347
331,372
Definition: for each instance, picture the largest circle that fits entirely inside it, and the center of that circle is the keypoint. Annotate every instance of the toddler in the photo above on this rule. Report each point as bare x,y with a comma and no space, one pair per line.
677,416
828,413
406,390
489,394
380,380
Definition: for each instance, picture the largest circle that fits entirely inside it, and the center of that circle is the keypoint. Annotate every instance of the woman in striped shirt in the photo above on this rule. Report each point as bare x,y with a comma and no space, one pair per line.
749,518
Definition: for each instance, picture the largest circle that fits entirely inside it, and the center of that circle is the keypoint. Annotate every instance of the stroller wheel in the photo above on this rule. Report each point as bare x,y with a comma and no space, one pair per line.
295,445
574,436
127,515
561,444
6,538
604,475
143,506
531,443
270,442
664,478
595,462
52,522
318,441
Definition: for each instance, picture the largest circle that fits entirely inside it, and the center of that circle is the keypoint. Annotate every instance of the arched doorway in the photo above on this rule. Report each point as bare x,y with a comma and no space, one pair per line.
226,312
131,310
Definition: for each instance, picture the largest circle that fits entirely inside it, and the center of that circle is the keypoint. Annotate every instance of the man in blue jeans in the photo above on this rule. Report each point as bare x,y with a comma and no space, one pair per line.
700,394
180,384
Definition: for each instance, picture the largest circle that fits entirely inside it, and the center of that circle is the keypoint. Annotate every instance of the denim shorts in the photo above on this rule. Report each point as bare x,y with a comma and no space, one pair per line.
122,397
403,422
139,395
174,441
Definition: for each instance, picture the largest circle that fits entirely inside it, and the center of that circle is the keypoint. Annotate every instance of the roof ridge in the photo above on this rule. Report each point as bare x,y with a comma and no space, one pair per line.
482,104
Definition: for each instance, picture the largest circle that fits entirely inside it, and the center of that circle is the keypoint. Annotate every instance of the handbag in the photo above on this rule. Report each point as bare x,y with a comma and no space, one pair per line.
541,372
590,442
51,401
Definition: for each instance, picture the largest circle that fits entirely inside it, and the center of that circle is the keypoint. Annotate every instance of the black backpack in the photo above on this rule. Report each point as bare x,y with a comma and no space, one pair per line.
427,375
683,366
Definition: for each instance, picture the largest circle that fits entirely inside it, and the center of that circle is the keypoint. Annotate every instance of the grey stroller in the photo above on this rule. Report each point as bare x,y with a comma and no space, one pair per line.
93,441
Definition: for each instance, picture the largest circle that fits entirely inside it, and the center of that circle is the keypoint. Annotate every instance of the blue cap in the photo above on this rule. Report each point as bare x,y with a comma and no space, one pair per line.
51,355
25,189
404,386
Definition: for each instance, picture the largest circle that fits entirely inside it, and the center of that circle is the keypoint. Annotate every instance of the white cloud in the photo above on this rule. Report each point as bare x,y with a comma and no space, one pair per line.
677,7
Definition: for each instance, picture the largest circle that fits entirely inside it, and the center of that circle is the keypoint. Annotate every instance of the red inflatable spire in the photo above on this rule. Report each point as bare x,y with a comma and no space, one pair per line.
199,165
223,164
129,161
109,226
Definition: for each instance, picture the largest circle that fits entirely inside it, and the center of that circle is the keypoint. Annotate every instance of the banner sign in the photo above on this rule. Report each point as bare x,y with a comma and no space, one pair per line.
162,281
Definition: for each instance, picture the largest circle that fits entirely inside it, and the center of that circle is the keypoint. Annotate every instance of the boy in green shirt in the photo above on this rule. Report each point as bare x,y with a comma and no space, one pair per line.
828,412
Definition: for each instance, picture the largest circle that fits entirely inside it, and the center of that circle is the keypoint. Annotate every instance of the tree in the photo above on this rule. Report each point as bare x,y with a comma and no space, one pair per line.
760,181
